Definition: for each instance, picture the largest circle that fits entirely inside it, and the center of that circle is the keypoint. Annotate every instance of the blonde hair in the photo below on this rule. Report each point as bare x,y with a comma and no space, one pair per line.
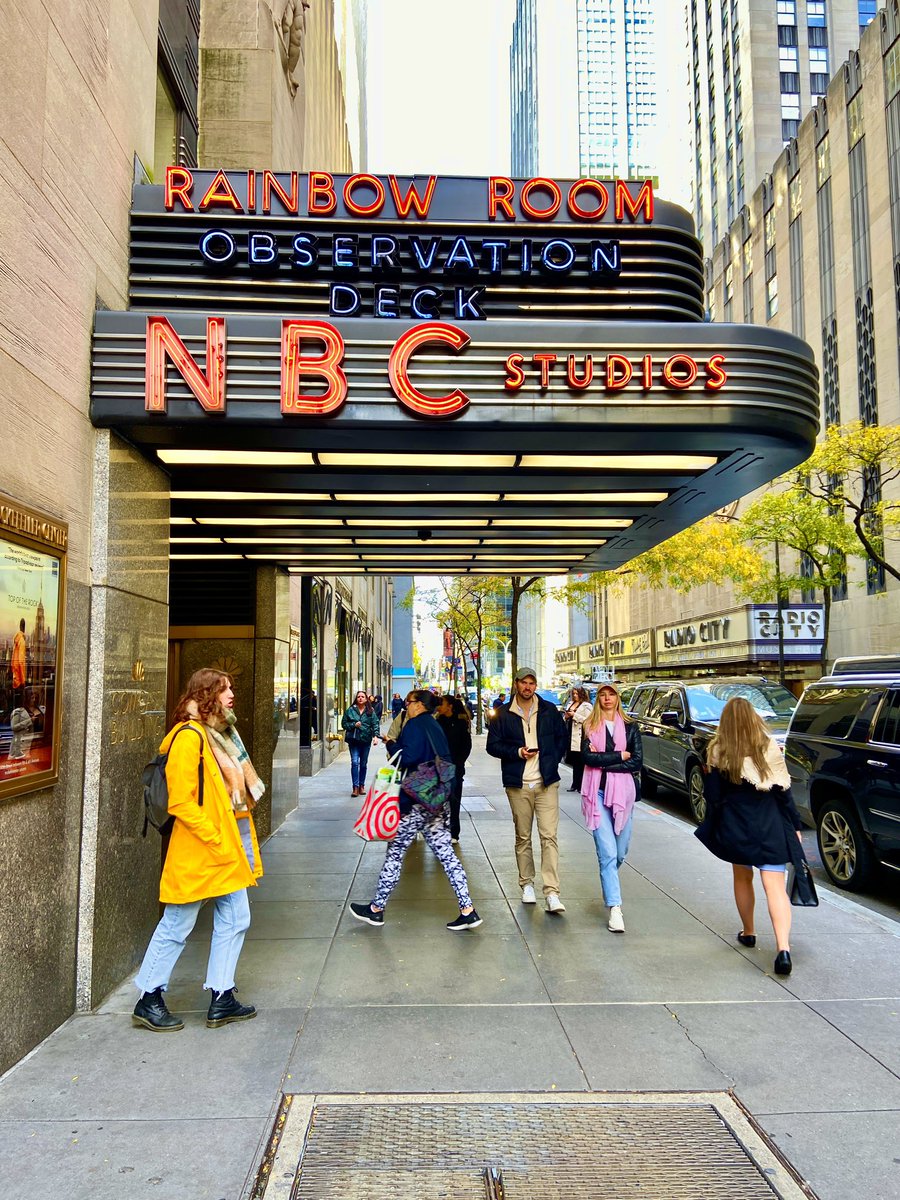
741,734
597,717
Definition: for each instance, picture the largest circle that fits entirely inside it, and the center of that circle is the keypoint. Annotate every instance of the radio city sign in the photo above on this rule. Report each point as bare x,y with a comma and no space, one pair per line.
311,355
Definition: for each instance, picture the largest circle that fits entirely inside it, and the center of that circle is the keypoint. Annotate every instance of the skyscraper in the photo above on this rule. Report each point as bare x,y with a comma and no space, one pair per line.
583,87
757,66
617,87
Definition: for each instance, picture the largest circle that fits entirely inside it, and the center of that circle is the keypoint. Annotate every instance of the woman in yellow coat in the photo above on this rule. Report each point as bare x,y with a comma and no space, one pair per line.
213,853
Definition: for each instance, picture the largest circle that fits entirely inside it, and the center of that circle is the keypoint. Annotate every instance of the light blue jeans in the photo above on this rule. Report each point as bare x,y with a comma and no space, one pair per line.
231,920
611,850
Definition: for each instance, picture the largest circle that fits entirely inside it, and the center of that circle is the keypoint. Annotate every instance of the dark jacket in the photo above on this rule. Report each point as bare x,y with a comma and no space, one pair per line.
459,739
397,706
506,737
610,759
420,739
749,827
368,727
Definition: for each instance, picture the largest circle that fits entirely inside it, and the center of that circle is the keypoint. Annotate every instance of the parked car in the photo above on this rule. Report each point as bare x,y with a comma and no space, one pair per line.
678,717
843,753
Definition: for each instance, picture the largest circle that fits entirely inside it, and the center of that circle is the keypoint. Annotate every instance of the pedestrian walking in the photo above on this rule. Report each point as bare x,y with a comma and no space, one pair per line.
419,741
612,753
396,705
577,712
360,727
213,853
751,820
378,705
393,733
453,718
529,737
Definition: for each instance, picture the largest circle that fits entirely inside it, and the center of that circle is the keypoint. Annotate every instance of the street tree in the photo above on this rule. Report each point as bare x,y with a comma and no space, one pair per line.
794,518
850,469
468,606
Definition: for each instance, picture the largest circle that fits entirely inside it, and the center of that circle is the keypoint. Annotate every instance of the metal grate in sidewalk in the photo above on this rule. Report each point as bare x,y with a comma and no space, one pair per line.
668,1148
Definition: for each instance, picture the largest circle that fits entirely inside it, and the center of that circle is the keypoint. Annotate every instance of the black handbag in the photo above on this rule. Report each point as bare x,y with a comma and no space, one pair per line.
801,886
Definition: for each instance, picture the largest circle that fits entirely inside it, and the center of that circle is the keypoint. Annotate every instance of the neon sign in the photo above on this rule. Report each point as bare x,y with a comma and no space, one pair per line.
312,352
446,274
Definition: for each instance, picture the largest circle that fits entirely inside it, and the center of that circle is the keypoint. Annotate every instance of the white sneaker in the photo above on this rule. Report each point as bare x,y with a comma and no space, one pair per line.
616,922
554,904
528,896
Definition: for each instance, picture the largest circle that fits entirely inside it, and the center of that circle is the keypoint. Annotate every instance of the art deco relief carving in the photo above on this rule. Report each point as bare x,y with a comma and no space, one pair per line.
289,17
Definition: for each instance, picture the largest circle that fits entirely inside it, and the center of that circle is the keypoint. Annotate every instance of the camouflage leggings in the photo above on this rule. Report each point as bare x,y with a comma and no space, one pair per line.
434,829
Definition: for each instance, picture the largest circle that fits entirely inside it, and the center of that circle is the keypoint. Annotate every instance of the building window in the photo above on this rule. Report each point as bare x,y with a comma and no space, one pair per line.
789,129
787,35
867,10
795,242
892,70
817,36
826,250
823,161
855,126
815,12
788,58
729,293
790,81
818,84
787,12
771,297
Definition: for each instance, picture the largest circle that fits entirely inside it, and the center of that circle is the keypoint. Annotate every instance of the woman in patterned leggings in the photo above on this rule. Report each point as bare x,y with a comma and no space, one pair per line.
420,740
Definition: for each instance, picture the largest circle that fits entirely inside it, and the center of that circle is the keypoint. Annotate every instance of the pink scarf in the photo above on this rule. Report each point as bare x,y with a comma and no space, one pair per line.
619,792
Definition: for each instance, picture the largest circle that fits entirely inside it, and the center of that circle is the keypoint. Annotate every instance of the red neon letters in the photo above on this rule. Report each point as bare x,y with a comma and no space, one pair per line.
163,342
323,363
327,366
406,346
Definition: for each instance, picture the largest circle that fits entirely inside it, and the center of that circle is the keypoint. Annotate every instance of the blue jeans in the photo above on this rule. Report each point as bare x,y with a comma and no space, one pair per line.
611,851
231,920
359,758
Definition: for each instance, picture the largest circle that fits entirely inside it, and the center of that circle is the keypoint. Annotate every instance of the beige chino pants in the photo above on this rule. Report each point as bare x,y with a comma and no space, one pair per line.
543,803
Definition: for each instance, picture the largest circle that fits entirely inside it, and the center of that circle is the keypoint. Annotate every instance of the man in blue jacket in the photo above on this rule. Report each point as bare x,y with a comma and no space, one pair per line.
529,737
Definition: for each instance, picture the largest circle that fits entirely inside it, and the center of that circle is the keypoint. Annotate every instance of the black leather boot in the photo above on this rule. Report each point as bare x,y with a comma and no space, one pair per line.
224,1008
151,1012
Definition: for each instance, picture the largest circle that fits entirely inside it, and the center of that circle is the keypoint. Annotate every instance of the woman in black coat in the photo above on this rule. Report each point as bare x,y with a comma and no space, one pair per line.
751,819
453,718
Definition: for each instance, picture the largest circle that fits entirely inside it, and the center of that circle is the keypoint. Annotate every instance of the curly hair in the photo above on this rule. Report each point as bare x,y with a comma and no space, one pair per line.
204,687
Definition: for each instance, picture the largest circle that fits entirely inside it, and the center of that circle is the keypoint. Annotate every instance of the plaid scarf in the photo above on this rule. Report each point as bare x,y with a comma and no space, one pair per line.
244,785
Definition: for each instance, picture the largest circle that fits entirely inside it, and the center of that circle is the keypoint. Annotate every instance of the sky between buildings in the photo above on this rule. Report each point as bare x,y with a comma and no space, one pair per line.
438,89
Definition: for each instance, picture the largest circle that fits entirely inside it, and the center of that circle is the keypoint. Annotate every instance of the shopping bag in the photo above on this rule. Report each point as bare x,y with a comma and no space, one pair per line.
380,813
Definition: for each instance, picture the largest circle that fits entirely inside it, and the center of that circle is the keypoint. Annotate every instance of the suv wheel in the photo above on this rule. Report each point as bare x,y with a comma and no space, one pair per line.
648,786
846,854
695,792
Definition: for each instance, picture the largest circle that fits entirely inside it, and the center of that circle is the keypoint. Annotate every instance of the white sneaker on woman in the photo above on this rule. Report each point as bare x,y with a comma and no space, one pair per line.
616,922
528,896
554,904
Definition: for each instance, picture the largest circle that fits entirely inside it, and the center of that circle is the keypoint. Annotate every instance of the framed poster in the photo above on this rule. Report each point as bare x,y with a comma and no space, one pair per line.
32,618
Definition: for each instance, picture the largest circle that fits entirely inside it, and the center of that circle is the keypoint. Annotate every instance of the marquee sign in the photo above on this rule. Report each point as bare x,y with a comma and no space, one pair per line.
542,338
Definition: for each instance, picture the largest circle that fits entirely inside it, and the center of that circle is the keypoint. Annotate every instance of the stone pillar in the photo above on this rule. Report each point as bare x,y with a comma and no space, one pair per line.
125,722
275,739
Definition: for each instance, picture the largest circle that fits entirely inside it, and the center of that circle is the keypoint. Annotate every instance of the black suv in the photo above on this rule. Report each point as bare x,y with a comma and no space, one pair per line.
843,753
677,718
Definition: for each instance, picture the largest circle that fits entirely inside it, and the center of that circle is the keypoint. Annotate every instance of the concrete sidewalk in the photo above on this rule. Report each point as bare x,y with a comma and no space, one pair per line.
527,1003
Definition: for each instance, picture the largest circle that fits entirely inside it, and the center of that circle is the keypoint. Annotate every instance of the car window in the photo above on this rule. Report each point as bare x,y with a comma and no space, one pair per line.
887,727
640,700
771,700
657,704
829,711
673,702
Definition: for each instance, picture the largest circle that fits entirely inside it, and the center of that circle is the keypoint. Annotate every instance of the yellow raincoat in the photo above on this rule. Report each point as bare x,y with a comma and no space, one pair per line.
206,857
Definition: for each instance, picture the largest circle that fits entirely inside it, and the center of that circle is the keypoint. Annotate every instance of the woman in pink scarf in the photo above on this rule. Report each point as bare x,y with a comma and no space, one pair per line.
612,755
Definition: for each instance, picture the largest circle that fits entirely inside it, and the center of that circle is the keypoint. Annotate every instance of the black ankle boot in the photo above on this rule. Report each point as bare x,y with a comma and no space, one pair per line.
224,1008
151,1012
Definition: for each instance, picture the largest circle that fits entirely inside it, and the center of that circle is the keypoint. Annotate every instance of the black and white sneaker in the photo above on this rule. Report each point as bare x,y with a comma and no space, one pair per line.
469,921
365,912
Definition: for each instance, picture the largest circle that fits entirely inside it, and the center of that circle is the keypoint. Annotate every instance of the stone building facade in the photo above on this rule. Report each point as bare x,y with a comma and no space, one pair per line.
96,97
816,251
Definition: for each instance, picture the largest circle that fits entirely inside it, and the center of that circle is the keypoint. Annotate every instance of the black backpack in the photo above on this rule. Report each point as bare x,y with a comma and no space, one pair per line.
156,787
